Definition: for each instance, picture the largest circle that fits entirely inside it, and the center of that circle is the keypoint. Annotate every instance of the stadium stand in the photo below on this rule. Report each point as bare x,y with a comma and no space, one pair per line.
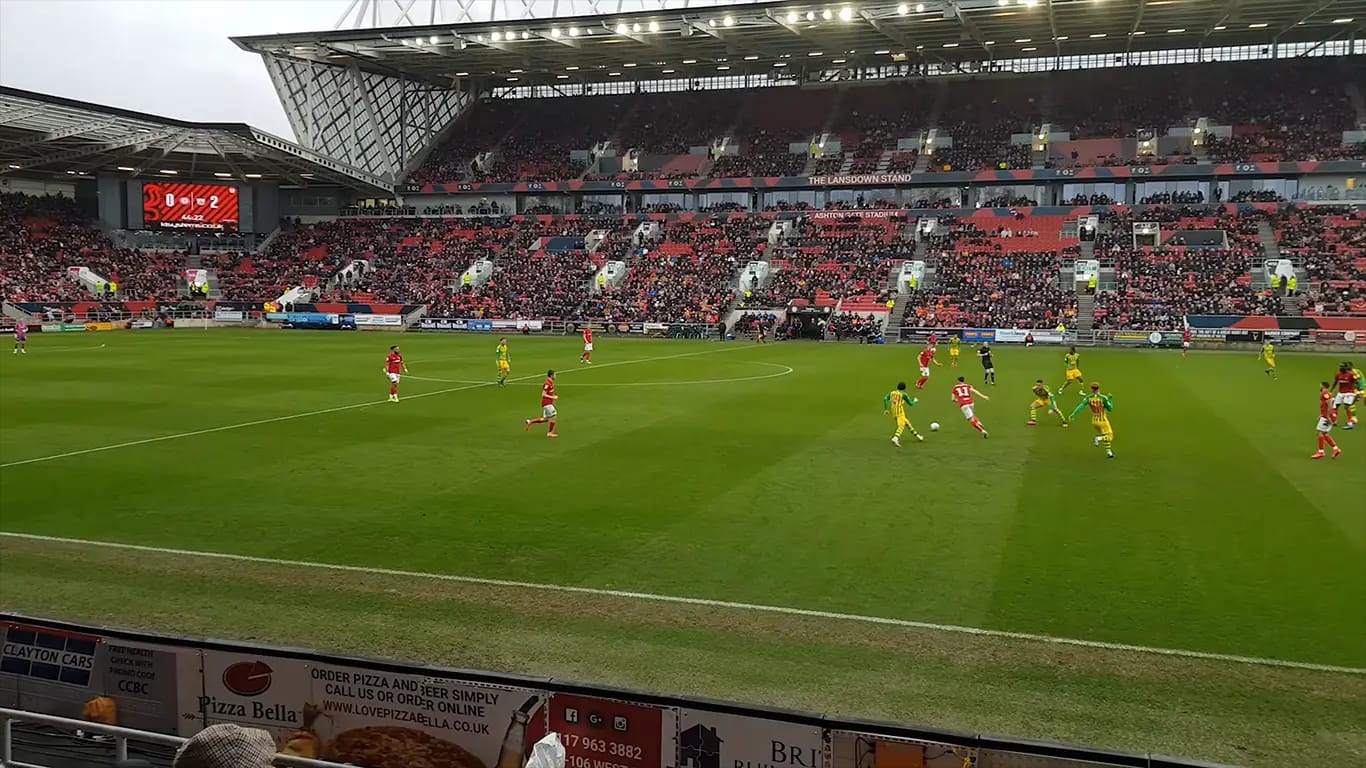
981,116
835,259
774,119
1157,287
1277,119
41,237
995,271
1330,242
689,277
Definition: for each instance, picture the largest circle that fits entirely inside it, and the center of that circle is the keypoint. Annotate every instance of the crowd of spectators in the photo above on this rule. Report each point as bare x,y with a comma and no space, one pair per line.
1329,243
987,289
747,324
1157,286
1173,198
689,277
835,259
772,120
981,116
1257,196
992,271
673,123
1118,102
1091,199
903,162
477,131
1009,201
41,237
1279,110
849,325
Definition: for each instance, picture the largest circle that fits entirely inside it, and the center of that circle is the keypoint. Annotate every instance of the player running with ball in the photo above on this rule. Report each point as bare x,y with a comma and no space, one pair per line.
895,403
962,394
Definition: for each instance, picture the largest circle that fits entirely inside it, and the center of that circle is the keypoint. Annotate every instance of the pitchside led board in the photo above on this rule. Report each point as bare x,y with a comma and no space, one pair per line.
175,205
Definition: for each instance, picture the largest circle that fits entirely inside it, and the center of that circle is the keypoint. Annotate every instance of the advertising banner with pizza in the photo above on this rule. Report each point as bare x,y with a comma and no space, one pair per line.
850,749
87,677
716,740
605,733
352,714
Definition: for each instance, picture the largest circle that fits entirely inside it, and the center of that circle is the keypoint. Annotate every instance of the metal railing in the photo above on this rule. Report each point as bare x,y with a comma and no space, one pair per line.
114,736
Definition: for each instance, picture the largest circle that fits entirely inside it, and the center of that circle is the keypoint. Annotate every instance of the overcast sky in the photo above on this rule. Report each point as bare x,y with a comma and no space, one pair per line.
166,57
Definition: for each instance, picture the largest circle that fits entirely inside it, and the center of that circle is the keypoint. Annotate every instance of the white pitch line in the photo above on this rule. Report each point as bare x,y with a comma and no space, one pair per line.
785,370
698,601
81,348
351,407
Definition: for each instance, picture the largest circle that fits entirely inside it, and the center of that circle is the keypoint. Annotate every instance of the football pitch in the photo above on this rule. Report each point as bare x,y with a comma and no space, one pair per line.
720,519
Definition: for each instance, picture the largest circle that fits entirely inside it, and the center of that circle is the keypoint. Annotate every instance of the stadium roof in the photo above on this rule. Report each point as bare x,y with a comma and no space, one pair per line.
766,37
49,135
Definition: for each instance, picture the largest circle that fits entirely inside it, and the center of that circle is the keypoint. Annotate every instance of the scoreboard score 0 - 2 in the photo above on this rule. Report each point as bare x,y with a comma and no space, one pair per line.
189,206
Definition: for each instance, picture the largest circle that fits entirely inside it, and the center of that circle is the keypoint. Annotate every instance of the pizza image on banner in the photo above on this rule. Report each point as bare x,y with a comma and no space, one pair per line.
605,733
365,717
716,740
849,749
88,677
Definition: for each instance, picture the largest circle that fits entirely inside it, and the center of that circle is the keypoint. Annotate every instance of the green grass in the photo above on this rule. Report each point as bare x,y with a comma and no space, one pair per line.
1212,531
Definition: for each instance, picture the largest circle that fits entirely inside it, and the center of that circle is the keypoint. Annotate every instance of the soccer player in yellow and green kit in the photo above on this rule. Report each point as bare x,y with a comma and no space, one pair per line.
1361,395
953,351
1269,355
1073,373
504,363
1100,407
895,403
1043,397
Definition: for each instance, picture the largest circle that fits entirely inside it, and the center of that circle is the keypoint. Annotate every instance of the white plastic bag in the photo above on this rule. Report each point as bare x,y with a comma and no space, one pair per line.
547,753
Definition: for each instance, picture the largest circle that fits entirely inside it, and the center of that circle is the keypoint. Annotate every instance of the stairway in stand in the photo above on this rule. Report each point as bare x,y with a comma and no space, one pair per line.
1267,236
1086,318
1294,305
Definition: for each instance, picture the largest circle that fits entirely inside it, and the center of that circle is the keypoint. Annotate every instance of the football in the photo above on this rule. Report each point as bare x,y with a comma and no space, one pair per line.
934,426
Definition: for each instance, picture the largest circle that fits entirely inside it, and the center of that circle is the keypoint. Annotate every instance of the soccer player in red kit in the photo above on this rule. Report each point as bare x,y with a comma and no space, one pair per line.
1185,341
1347,384
548,398
962,394
587,356
393,366
1327,417
933,340
926,357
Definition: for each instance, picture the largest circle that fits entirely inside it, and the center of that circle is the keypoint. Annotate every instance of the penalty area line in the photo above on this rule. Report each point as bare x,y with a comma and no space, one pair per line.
694,601
337,409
